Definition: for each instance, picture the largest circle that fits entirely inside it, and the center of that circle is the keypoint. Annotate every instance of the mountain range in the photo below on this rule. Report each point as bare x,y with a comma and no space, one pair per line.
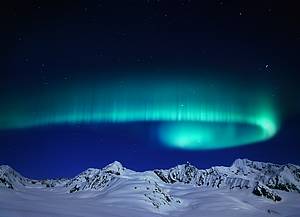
246,188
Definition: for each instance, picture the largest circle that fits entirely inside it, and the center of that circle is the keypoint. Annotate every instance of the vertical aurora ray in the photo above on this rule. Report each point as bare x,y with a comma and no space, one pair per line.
191,115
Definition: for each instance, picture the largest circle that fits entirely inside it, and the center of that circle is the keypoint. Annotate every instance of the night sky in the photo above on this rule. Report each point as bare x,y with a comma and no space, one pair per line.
85,83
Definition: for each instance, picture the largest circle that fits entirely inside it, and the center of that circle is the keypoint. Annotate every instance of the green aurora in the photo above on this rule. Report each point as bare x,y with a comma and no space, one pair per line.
190,115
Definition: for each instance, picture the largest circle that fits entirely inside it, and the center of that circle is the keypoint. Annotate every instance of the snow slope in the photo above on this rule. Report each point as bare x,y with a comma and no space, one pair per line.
246,188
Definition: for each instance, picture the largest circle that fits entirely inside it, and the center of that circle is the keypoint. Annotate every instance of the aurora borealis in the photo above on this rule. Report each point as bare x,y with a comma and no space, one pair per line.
149,83
191,115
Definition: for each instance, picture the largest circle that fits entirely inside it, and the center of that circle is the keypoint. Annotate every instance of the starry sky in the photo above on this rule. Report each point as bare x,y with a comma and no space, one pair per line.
76,75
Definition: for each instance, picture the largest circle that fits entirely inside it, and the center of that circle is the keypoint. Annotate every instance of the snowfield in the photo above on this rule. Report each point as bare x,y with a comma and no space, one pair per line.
247,188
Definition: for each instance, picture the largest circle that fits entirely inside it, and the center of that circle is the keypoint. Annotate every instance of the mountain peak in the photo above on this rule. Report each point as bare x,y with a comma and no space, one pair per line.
115,168
8,171
241,162
5,168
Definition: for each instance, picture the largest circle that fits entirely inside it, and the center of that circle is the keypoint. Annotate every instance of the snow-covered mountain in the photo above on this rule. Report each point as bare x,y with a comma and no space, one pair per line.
243,174
245,188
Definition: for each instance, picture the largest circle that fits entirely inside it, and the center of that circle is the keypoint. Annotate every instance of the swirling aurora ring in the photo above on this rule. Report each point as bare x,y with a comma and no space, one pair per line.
190,116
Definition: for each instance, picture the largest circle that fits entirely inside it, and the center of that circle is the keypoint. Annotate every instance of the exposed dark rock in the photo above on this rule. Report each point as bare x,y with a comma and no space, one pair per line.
264,191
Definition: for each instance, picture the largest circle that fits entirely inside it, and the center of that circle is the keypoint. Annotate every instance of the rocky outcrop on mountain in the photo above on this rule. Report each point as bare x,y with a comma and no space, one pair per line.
157,196
264,191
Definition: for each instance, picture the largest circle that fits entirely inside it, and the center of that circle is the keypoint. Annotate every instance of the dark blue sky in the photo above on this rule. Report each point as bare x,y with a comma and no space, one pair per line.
46,45
61,151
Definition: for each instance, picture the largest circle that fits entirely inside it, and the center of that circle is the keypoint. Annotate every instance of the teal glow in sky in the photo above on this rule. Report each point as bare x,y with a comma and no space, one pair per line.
191,115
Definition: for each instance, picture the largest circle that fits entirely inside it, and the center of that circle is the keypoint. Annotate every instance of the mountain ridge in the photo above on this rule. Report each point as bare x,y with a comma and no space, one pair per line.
264,179
241,187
